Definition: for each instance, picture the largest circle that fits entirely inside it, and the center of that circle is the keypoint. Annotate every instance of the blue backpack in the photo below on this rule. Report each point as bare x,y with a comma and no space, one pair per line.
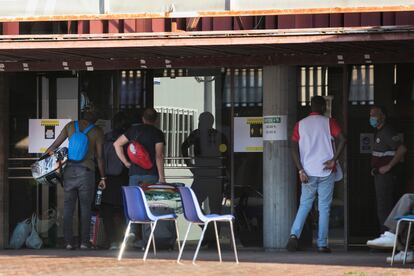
78,143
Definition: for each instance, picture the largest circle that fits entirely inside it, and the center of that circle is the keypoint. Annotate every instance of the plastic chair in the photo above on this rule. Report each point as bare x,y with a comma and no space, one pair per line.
137,211
410,220
194,215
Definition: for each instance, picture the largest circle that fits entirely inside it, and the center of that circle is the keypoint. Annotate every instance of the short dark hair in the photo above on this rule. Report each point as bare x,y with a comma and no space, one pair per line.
381,108
120,121
150,115
318,104
90,115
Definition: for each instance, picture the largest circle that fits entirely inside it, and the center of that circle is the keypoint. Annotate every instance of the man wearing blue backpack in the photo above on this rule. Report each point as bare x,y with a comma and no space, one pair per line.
85,144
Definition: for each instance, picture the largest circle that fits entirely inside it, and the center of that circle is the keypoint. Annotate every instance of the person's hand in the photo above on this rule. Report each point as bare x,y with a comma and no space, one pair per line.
303,176
102,184
384,169
128,165
329,165
161,180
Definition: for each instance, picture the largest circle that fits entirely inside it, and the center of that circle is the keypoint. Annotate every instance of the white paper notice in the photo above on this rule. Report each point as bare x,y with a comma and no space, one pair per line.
248,134
275,128
43,132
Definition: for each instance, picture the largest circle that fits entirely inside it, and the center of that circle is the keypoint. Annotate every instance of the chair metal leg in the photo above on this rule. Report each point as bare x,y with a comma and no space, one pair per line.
153,241
395,242
406,242
182,246
199,242
121,251
149,240
178,235
234,241
218,240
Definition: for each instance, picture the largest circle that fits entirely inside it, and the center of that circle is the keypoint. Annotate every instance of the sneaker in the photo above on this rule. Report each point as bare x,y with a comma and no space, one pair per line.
139,244
398,258
85,246
113,246
130,238
69,247
292,244
324,249
386,240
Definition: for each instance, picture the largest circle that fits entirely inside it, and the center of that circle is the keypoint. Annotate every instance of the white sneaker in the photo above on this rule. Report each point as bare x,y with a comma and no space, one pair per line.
398,258
113,246
386,240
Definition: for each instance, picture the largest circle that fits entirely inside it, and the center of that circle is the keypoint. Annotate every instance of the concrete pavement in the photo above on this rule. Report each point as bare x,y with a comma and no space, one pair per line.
252,262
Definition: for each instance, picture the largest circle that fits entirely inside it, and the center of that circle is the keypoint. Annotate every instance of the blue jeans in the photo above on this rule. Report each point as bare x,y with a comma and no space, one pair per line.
134,180
324,187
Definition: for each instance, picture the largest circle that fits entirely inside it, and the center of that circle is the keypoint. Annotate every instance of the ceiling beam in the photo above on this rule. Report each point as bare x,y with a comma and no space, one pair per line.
203,62
268,37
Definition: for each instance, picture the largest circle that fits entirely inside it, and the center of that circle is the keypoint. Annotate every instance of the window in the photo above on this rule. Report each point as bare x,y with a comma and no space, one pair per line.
313,82
177,124
361,89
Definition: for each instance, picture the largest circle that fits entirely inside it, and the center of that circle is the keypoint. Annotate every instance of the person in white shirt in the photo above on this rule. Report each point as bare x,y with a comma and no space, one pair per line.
313,150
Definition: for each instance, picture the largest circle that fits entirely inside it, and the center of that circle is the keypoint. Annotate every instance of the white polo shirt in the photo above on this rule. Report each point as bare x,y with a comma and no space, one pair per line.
315,135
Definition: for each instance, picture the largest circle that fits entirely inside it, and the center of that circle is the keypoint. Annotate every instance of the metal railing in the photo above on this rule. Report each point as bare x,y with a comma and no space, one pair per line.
177,124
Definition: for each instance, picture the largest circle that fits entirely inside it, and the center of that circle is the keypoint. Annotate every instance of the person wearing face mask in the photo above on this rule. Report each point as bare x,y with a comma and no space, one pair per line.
387,151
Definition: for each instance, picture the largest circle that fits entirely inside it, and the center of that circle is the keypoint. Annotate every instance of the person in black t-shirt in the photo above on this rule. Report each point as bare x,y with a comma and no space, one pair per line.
111,208
148,135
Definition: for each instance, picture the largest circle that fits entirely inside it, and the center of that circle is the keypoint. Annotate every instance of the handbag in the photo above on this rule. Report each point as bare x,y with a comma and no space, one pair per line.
33,241
44,225
20,234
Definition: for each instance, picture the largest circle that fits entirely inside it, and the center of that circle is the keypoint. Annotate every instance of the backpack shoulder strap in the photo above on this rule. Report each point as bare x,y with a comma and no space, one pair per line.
76,126
86,130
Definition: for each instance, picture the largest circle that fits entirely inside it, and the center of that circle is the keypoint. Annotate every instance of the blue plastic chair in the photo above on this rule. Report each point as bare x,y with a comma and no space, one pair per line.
194,215
137,211
410,220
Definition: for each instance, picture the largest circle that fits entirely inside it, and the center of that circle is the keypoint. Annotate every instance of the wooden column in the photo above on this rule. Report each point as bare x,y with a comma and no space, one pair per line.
4,154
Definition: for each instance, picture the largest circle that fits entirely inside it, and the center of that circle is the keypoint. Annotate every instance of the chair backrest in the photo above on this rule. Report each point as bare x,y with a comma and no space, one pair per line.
135,204
191,207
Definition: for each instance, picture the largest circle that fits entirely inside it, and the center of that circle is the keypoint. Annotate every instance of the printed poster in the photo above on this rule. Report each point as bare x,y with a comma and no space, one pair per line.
248,134
43,132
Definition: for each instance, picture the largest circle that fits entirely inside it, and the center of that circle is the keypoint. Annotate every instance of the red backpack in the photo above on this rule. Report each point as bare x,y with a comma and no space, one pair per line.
139,155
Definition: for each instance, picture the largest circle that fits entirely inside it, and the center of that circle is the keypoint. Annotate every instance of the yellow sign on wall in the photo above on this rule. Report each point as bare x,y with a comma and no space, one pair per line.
43,132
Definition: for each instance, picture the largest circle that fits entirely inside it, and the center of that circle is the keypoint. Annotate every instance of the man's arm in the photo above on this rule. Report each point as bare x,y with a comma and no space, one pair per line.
184,149
399,155
159,158
295,155
330,164
59,140
119,149
341,145
101,165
